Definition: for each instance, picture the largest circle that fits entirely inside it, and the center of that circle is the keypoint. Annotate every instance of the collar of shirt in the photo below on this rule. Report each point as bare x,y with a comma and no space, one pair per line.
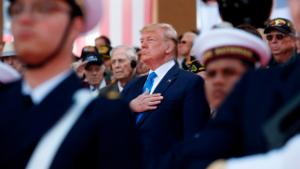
161,72
40,92
100,86
120,86
179,61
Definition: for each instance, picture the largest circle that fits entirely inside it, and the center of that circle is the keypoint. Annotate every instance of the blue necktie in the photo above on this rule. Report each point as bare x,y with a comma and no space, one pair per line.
147,87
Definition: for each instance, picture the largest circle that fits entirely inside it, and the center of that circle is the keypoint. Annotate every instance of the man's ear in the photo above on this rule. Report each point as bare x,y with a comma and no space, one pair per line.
170,47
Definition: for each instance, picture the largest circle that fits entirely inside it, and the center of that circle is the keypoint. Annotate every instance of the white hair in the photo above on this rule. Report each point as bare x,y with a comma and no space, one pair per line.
130,52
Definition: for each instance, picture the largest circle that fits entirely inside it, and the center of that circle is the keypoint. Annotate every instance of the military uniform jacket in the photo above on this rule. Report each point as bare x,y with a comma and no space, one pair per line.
238,128
103,137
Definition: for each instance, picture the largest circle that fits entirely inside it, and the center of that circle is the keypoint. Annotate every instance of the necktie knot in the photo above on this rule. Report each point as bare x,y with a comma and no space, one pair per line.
152,75
149,82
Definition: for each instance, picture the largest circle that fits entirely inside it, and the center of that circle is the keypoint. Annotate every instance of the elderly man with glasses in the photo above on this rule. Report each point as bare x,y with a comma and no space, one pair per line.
280,35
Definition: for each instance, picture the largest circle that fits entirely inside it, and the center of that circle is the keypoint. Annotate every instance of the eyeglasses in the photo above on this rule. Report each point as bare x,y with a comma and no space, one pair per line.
277,36
38,10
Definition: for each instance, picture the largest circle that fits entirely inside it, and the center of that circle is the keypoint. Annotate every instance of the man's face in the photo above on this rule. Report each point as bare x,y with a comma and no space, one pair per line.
121,65
280,45
153,47
295,10
94,74
221,76
38,26
186,43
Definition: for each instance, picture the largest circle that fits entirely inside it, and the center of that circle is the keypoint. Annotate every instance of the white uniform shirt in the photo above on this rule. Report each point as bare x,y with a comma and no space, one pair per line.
40,92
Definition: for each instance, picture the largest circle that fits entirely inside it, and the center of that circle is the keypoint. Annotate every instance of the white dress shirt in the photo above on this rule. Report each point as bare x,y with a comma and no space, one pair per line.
41,91
161,72
180,61
287,157
120,86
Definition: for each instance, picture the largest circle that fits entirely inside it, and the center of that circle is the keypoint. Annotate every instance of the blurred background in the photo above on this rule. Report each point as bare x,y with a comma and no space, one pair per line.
122,19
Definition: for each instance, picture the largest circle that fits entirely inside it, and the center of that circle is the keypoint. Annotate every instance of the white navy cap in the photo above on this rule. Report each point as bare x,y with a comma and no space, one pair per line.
231,42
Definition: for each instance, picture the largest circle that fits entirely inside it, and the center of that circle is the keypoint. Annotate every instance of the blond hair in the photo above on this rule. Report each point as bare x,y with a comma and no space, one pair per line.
168,30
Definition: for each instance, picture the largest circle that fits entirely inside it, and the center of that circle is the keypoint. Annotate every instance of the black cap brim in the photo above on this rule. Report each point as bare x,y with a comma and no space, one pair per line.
92,63
276,28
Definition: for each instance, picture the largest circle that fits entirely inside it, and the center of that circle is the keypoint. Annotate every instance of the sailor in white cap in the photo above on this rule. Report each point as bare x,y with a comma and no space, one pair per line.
227,53
47,120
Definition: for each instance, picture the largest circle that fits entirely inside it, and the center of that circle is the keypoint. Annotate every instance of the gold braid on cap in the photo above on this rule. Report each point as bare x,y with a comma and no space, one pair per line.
229,51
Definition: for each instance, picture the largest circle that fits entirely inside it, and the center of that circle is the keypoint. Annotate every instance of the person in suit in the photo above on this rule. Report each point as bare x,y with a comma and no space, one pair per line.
124,62
47,120
239,128
169,103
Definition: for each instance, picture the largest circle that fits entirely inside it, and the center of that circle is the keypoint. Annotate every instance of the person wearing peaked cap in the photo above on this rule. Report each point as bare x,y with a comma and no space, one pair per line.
8,56
227,55
169,103
281,37
47,119
94,73
88,50
238,128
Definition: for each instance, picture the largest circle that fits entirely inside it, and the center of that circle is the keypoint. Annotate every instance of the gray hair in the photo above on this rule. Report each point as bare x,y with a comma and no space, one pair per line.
130,52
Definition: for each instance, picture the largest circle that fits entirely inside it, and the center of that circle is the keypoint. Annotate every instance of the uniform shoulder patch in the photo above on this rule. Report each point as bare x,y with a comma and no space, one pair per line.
112,95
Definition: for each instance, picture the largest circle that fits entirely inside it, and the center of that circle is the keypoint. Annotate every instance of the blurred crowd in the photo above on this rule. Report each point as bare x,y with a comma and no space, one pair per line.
222,99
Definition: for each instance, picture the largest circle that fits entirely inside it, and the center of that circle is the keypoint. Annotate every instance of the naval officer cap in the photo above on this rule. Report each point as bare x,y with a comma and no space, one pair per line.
232,43
90,10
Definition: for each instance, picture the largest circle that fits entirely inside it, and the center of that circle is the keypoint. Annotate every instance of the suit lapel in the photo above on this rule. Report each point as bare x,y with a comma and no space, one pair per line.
167,80
163,85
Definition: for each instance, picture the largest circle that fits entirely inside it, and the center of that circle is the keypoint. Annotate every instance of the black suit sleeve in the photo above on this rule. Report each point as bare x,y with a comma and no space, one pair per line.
119,147
195,108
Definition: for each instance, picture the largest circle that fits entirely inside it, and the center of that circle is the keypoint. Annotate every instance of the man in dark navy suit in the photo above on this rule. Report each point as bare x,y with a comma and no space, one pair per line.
169,103
242,125
46,120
